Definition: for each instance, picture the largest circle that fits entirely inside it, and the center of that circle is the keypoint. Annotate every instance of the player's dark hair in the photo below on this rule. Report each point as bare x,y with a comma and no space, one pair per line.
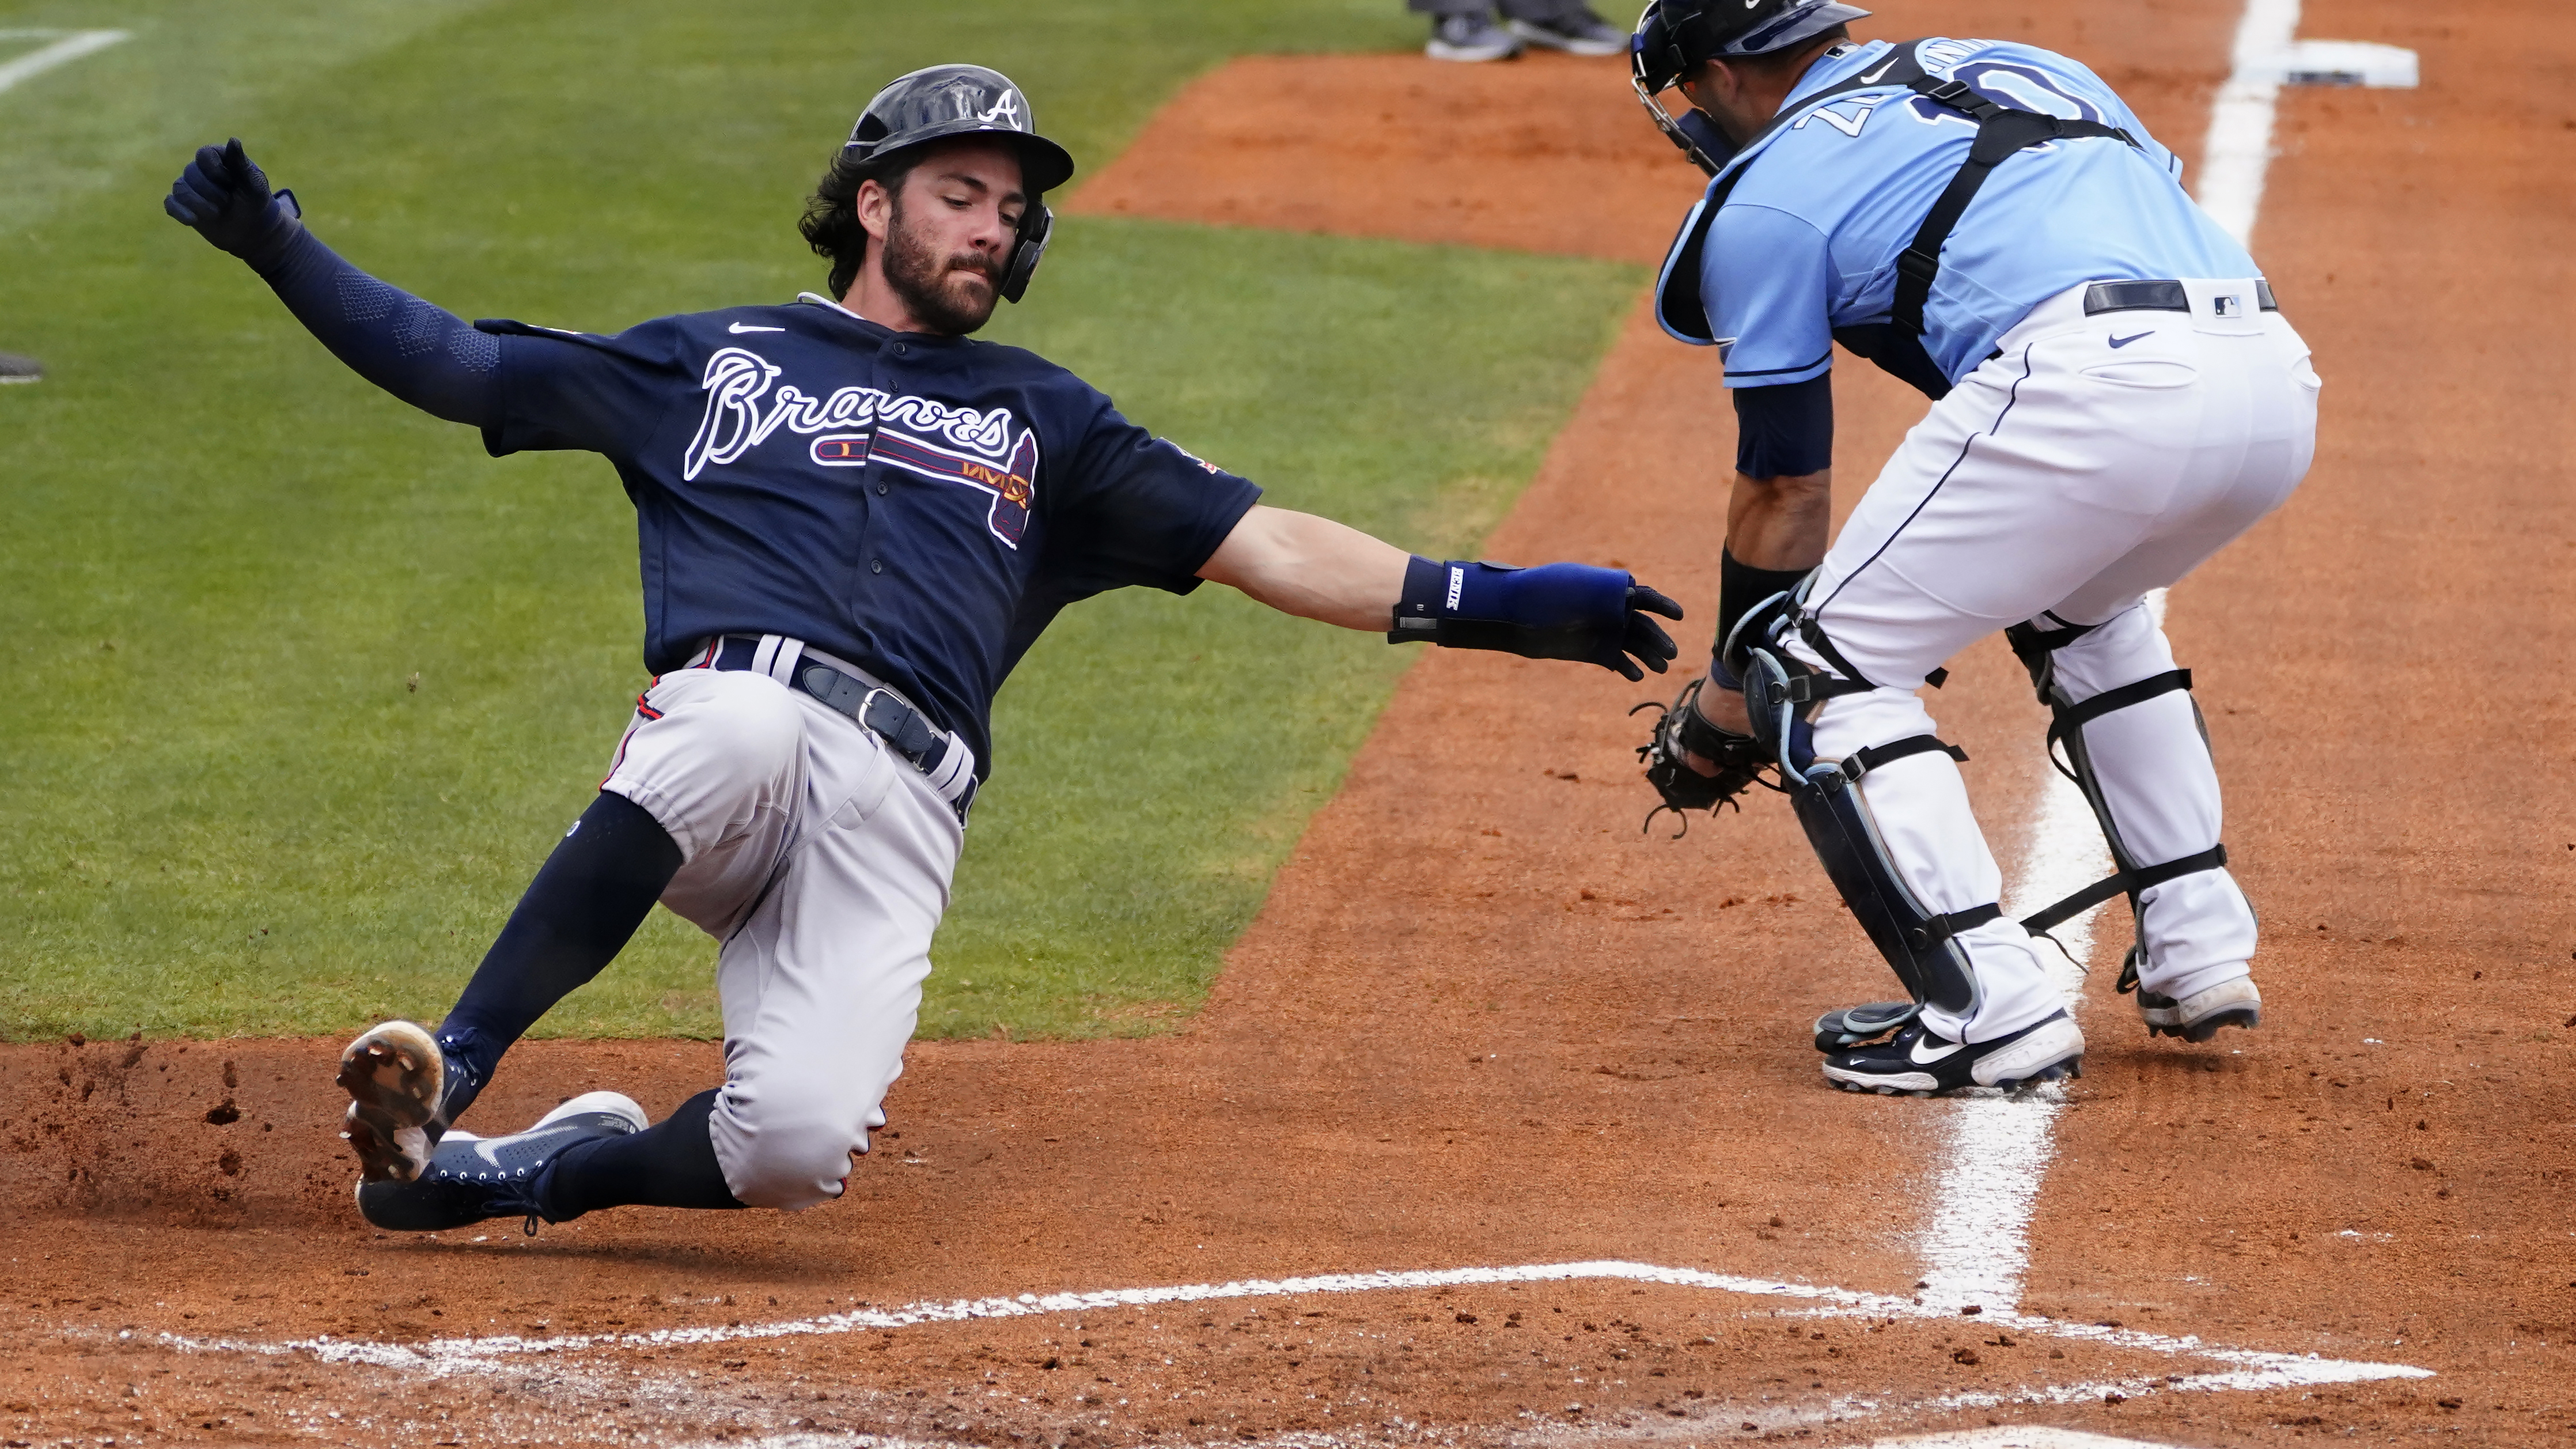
831,221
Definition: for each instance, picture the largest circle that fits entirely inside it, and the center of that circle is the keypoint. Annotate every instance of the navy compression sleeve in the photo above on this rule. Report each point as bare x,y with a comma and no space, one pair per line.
418,352
1785,431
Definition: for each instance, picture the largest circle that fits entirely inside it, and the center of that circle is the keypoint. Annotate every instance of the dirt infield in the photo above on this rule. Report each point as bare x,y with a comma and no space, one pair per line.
1484,1029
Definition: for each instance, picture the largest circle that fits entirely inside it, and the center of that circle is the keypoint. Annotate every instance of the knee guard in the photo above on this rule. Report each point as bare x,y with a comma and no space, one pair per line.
1781,692
2035,647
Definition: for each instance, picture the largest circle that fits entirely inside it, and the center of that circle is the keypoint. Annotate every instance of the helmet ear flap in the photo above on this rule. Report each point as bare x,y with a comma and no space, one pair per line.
1036,225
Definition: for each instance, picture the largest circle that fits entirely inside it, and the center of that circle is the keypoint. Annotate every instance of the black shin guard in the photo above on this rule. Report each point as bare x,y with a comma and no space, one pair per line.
1918,943
669,1164
1780,692
580,911
2036,648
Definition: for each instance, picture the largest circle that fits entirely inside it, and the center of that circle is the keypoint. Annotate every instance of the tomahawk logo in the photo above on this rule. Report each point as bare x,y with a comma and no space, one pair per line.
1012,485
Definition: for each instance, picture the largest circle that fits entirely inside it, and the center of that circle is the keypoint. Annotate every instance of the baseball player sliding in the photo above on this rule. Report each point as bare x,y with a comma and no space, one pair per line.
2115,397
854,521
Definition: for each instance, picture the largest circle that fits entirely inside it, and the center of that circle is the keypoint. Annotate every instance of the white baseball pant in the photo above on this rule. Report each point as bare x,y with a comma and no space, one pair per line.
821,860
2069,476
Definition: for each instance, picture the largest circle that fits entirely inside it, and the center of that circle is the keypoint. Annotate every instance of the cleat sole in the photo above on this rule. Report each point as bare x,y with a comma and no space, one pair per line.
393,1074
2207,1027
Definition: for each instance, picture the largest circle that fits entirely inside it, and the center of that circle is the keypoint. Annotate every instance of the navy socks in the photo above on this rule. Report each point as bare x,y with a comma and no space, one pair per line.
669,1164
580,911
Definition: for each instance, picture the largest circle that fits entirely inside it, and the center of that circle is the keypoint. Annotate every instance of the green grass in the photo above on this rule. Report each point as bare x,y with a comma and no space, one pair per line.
228,807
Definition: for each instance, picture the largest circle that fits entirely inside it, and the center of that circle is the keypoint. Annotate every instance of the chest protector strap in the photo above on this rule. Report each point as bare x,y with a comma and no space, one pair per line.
1896,345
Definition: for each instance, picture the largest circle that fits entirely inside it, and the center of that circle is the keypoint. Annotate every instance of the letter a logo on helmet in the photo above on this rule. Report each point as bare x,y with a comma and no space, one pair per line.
1006,109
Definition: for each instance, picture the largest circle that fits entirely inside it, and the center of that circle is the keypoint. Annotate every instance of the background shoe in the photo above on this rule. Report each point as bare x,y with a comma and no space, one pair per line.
1918,1062
472,1178
1582,33
1470,37
14,368
403,1093
2198,1017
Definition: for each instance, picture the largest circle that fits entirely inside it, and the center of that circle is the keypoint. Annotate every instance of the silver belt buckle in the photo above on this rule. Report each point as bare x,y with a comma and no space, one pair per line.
861,713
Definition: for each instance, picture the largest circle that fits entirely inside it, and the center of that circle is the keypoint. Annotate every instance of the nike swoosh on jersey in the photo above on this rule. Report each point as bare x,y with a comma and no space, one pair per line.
738,328
1920,1058
2125,341
1872,80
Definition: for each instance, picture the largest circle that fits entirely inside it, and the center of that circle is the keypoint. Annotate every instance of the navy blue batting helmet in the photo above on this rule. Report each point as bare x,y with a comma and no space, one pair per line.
943,101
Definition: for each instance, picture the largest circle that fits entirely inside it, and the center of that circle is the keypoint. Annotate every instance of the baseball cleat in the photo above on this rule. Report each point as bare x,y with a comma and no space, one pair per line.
1470,37
1918,1062
1581,33
472,1178
403,1093
1840,1031
14,368
2197,1017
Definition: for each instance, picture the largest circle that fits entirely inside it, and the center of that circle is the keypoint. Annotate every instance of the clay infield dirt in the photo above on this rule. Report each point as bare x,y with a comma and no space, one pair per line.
1484,1028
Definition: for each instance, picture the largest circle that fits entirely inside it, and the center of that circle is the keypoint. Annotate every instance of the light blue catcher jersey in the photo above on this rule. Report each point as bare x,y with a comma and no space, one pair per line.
1808,240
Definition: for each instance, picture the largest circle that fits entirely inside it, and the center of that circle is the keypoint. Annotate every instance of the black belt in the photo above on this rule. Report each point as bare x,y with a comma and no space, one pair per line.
2104,297
907,731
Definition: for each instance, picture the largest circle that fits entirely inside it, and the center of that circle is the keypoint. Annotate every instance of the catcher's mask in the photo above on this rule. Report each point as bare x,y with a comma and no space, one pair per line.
1677,37
946,101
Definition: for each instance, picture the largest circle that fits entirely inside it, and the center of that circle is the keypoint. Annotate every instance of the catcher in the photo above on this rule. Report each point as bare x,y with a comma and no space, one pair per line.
2115,396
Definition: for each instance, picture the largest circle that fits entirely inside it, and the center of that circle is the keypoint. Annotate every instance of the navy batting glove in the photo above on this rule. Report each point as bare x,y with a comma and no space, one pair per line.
225,196
1554,611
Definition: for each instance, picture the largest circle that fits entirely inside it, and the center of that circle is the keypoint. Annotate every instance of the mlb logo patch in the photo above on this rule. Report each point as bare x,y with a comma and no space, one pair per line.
2227,306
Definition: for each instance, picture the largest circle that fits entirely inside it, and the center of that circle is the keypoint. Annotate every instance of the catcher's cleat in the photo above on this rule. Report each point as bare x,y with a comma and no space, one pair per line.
1917,1062
2197,1017
1840,1031
472,1178
403,1092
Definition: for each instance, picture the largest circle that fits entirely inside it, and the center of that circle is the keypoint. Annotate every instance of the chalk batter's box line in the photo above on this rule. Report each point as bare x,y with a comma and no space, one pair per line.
2248,1368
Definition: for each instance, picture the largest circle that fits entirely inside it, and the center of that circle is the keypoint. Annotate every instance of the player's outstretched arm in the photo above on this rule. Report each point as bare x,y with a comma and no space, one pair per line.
419,353
1315,568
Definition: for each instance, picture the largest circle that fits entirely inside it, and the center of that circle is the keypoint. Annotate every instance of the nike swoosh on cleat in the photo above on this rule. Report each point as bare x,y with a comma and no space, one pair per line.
2125,341
1921,1058
738,328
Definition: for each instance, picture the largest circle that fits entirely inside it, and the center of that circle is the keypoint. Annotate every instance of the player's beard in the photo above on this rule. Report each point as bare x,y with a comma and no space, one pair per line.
940,290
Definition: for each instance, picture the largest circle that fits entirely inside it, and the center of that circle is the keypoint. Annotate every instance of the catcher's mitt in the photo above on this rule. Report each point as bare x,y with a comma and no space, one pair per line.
1682,730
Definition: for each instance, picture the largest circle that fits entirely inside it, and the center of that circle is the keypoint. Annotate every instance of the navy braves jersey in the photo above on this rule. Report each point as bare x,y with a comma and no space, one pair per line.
920,506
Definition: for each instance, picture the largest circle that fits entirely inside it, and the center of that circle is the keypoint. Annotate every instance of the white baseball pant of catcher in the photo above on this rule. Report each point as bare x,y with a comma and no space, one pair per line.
2066,476
821,860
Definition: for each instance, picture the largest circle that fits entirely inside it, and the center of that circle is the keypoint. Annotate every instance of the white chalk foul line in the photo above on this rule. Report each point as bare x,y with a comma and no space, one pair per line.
2247,1368
1976,1244
68,46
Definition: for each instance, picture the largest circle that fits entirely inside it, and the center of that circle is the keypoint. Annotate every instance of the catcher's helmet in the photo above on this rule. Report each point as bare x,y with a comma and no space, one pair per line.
945,101
1676,37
